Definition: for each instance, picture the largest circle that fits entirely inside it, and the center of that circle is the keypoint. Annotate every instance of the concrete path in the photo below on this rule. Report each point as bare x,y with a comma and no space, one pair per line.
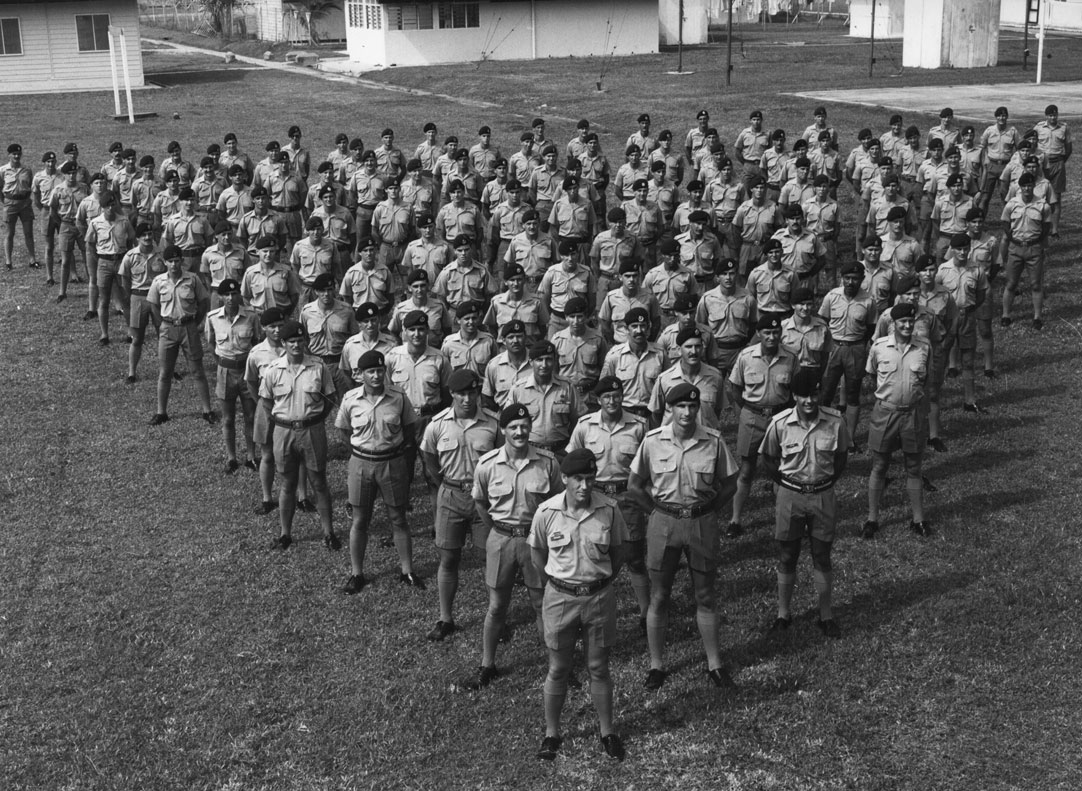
306,71
969,102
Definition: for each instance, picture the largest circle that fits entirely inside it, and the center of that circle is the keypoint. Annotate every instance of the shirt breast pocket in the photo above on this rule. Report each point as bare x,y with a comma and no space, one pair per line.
886,367
625,452
754,378
561,413
704,474
596,541
558,542
498,490
400,378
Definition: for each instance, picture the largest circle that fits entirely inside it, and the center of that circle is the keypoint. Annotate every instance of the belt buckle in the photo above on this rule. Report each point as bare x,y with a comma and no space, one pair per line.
518,531
807,488
683,513
581,590
297,424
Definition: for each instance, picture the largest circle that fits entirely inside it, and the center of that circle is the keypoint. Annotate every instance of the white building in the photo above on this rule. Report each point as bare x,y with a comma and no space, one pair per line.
271,20
64,46
392,33
1062,14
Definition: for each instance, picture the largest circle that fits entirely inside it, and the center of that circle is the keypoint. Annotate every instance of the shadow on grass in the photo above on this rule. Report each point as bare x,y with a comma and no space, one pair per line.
1031,361
1018,395
174,79
967,464
985,502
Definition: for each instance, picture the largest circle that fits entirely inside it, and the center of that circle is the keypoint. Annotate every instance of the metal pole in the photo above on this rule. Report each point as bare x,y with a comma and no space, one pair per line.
729,56
127,75
112,70
680,40
1042,16
871,56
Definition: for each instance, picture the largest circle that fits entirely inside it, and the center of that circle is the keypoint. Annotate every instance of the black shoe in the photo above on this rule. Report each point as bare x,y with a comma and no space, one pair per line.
282,542
922,528
856,450
975,408
129,339
131,379
990,373
829,628
938,445
90,314
655,679
1005,321
159,418
550,748
952,373
178,376
265,507
251,465
306,505
869,529
1038,324
412,579
927,484
441,631
103,341
484,677
720,678
734,530
50,282
332,543
387,542
781,624
210,417
76,279
60,298
614,748
505,634
231,466
35,265
354,584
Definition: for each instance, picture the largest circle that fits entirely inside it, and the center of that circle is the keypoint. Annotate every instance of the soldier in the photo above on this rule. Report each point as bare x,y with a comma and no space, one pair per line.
297,392
581,350
805,334
427,253
370,338
470,347
453,442
178,304
760,388
515,303
637,363
509,484
577,543
618,302
223,260
420,298
669,280
378,421
138,269
804,452
730,312
311,257
233,330
562,282
613,436
690,367
1028,220
552,401
684,310
329,323
507,368
682,475
270,284
899,419
110,236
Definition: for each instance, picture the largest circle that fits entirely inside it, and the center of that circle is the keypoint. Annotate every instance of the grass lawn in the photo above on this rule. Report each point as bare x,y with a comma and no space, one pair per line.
150,639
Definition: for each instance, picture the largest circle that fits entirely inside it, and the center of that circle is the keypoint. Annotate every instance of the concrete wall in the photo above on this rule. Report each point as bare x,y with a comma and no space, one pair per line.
961,34
50,59
889,18
516,31
696,21
1062,14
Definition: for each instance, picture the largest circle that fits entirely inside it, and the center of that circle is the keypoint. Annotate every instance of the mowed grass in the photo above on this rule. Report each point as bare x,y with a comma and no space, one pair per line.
150,639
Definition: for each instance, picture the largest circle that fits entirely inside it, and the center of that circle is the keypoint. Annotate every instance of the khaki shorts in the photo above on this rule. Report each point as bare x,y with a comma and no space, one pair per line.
173,336
566,616
698,537
504,556
1021,255
69,237
1056,172
455,517
25,213
141,315
292,446
365,479
231,386
750,432
107,273
797,515
262,428
890,430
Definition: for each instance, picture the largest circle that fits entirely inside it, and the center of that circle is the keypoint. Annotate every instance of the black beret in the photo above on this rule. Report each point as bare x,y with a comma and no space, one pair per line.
266,243
896,213
228,286
683,392
608,384
291,329
805,382
469,307
271,316
688,334
314,223
323,280
462,379
668,246
684,302
370,359
513,270
960,240
513,327
542,349
903,310
366,311
580,461
629,266
415,318
636,315
513,412
907,282
417,276
576,305
172,253
768,321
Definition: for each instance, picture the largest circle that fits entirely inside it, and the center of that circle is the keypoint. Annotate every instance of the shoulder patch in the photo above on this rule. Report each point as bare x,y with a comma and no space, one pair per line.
489,454
829,410
654,432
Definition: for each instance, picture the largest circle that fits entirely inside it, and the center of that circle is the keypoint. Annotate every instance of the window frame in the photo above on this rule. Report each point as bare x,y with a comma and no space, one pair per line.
19,28
94,32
